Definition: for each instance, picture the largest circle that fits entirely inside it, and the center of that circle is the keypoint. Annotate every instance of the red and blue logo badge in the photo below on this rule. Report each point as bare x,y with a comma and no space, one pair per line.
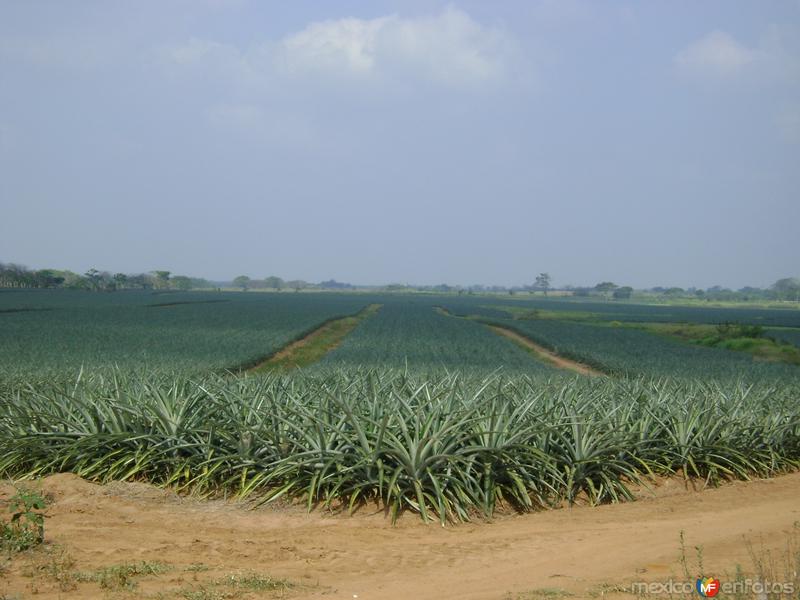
708,587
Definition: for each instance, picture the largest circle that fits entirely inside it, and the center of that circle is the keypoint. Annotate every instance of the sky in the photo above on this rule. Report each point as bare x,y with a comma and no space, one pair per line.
646,143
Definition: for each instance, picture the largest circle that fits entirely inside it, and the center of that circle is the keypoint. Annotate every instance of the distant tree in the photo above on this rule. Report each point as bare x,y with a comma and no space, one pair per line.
332,284
121,280
142,281
181,282
273,282
242,281
48,278
623,293
200,283
605,286
296,284
73,281
94,278
162,279
543,282
674,291
787,288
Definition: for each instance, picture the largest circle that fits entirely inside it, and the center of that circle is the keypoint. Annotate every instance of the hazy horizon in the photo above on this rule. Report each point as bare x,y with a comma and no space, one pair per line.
410,142
412,284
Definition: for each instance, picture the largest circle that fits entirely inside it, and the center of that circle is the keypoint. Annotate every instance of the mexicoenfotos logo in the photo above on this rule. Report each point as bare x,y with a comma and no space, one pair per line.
708,587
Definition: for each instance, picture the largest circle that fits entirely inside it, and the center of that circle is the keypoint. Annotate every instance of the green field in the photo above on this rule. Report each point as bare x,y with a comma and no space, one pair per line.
625,351
791,336
444,446
417,405
409,332
62,331
630,312
622,343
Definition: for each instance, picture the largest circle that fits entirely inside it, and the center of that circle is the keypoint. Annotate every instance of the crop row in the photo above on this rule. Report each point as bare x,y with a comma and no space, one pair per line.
50,333
791,336
409,332
634,352
627,312
445,447
140,330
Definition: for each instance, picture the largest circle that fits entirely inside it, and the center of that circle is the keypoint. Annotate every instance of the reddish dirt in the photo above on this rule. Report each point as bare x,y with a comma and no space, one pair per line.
580,551
289,352
547,355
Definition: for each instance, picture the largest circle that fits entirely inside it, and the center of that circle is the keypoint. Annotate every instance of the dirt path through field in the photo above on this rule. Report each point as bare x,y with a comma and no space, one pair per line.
578,552
545,354
541,353
313,346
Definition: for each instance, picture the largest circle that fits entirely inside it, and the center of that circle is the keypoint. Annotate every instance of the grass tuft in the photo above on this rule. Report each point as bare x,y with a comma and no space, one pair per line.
121,577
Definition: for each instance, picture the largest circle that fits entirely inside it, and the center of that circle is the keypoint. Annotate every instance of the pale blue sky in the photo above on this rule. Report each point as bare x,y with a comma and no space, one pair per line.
649,143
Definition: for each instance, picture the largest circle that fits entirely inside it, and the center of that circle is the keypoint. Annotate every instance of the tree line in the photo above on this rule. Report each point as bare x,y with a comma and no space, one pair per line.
18,276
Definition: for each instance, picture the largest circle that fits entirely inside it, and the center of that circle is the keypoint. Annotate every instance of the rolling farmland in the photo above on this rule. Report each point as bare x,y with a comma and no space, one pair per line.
613,342
631,313
628,351
352,300
410,332
49,332
414,408
61,331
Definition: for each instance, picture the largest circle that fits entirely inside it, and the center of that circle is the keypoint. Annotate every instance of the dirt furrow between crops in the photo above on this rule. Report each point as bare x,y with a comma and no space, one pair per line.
577,553
313,346
547,355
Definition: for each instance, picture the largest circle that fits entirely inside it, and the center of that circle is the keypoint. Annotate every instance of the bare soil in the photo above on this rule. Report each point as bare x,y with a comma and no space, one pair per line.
579,552
313,346
547,355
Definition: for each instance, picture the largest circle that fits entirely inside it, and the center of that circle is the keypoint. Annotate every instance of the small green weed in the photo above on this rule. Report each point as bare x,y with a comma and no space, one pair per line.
204,593
52,566
120,577
255,582
541,594
197,568
234,585
26,528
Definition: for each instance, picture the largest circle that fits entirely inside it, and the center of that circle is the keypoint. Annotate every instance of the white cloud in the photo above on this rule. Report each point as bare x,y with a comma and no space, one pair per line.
770,67
345,44
716,54
450,48
266,91
213,63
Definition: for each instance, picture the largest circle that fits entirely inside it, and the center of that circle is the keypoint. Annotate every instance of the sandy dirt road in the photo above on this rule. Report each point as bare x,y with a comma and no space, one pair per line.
579,551
547,355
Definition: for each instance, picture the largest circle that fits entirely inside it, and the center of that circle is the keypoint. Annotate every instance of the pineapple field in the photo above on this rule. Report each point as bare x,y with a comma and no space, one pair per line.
421,407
